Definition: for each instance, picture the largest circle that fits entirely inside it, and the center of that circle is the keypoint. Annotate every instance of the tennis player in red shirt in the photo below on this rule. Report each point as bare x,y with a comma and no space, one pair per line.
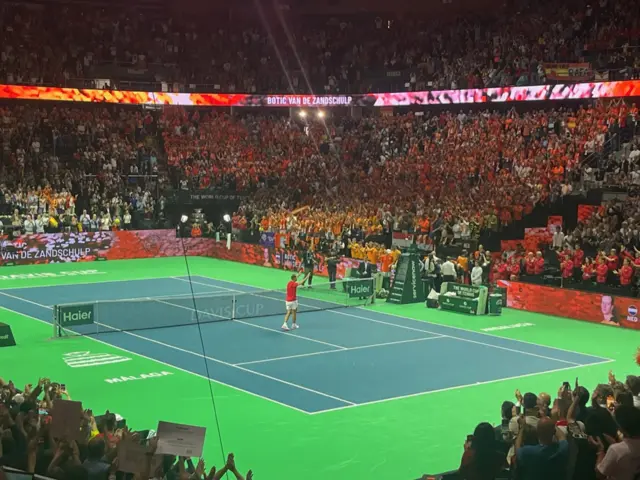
291,301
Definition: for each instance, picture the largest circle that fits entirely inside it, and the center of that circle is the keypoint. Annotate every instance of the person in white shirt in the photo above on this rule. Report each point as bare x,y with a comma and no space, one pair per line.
29,225
476,275
430,262
41,221
448,269
622,460
85,220
127,220
105,221
557,242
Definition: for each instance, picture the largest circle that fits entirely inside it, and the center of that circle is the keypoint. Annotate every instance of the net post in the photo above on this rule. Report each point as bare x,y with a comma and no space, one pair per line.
233,306
55,321
372,298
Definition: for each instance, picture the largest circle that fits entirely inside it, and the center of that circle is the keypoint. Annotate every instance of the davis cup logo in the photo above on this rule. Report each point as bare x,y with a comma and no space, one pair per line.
632,313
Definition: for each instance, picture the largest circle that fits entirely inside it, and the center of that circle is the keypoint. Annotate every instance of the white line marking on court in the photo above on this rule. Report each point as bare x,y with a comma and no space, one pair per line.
186,296
25,300
213,286
257,395
507,327
86,283
257,294
459,387
340,347
222,362
362,347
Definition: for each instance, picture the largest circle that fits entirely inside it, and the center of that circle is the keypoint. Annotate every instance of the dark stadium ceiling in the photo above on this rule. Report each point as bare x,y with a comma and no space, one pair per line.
317,7
324,7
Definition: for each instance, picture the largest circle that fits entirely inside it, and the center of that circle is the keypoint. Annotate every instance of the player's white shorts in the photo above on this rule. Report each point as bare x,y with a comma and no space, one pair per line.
292,305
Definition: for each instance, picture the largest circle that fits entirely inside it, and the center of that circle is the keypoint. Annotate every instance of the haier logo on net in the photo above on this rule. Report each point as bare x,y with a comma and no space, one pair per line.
363,289
632,314
75,315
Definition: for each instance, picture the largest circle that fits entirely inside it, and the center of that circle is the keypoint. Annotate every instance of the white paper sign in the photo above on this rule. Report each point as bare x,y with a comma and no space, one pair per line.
180,440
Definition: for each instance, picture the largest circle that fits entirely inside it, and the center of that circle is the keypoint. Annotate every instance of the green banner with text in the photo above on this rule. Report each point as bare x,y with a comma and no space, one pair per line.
73,315
360,288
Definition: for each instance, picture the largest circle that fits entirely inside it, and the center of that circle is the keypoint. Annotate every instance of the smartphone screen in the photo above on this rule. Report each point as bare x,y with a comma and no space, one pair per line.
610,402
43,411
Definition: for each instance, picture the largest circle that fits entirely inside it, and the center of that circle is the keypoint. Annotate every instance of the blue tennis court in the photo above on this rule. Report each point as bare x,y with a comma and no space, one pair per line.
338,359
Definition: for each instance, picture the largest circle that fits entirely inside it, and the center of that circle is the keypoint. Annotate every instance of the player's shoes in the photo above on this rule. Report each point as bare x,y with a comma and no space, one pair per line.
285,327
294,326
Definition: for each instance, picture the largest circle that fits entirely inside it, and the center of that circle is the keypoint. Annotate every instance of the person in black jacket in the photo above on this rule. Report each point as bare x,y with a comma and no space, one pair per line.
308,265
365,269
332,269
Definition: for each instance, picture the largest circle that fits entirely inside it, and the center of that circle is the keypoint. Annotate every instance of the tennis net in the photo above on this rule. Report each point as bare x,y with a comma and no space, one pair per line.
128,315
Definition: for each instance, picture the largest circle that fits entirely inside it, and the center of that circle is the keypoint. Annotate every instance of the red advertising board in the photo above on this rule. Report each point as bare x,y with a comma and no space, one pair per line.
121,245
88,246
580,305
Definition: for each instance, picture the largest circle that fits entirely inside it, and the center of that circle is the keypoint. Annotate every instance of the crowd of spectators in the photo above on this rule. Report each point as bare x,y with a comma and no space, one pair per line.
444,175
284,52
77,168
602,252
576,435
30,442
71,169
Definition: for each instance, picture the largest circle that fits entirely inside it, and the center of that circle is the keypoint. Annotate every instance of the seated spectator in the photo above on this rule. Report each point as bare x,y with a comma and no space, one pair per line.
483,458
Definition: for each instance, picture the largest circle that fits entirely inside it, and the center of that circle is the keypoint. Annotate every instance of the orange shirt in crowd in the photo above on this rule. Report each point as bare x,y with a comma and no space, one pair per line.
464,263
386,261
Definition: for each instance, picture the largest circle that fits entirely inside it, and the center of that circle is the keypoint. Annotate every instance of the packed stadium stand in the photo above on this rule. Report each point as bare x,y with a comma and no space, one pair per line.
339,180
282,52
